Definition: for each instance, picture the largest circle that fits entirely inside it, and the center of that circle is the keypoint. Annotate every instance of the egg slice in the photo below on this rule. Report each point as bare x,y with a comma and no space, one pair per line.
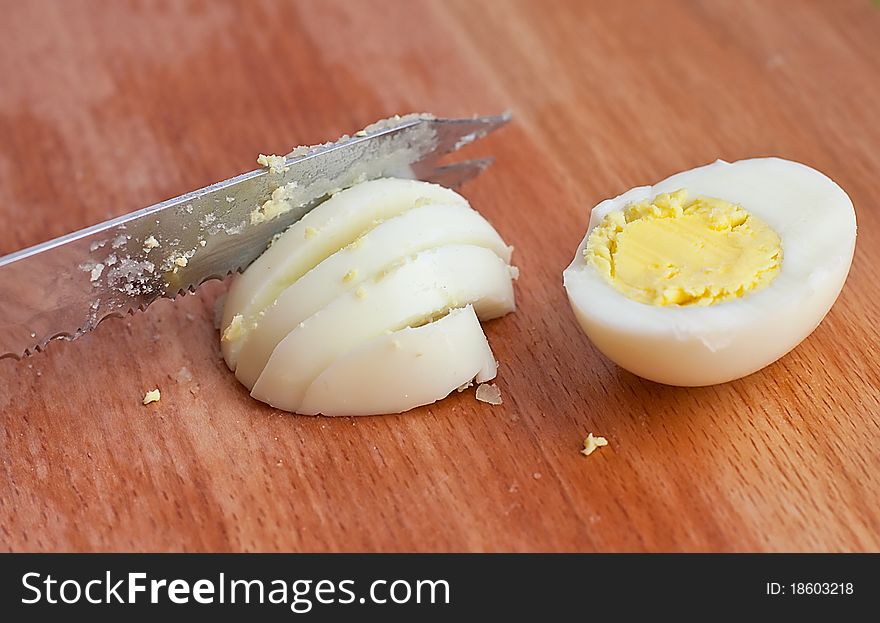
371,304
713,273
420,365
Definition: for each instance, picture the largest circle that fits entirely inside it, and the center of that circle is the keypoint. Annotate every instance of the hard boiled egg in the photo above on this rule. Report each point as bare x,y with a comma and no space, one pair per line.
371,303
713,273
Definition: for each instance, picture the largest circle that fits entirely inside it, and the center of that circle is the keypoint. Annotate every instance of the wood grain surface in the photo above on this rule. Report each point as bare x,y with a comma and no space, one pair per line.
110,106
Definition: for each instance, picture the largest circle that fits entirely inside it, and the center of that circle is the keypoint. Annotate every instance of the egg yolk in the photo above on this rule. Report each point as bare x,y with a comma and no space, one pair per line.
679,251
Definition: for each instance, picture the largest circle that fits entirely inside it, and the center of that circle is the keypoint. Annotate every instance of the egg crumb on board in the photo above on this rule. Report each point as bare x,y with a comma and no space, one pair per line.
152,396
380,313
489,394
183,375
713,273
591,444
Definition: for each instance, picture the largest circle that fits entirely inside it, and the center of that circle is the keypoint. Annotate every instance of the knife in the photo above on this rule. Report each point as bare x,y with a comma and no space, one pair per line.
63,288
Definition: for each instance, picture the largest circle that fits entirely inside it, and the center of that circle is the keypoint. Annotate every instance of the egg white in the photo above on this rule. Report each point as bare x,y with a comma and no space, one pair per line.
427,285
418,366
693,346
415,230
320,233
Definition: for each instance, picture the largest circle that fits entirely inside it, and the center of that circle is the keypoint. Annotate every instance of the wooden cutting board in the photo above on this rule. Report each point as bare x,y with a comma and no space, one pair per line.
107,107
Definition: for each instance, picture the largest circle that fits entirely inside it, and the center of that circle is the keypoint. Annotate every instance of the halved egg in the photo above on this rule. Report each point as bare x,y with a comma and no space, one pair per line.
713,273
371,303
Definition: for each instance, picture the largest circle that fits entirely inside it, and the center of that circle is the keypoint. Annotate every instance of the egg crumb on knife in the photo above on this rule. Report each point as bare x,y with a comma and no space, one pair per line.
275,164
713,273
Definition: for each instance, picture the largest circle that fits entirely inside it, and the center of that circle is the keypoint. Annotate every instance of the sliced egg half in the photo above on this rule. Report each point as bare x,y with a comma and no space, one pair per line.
713,273
371,303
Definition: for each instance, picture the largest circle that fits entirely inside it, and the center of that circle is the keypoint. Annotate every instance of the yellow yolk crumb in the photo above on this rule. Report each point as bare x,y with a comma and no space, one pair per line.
679,251
281,202
274,163
310,232
592,443
235,328
350,276
152,396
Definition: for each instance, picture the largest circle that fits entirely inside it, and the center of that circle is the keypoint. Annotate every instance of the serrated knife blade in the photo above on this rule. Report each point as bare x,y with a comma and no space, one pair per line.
64,287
